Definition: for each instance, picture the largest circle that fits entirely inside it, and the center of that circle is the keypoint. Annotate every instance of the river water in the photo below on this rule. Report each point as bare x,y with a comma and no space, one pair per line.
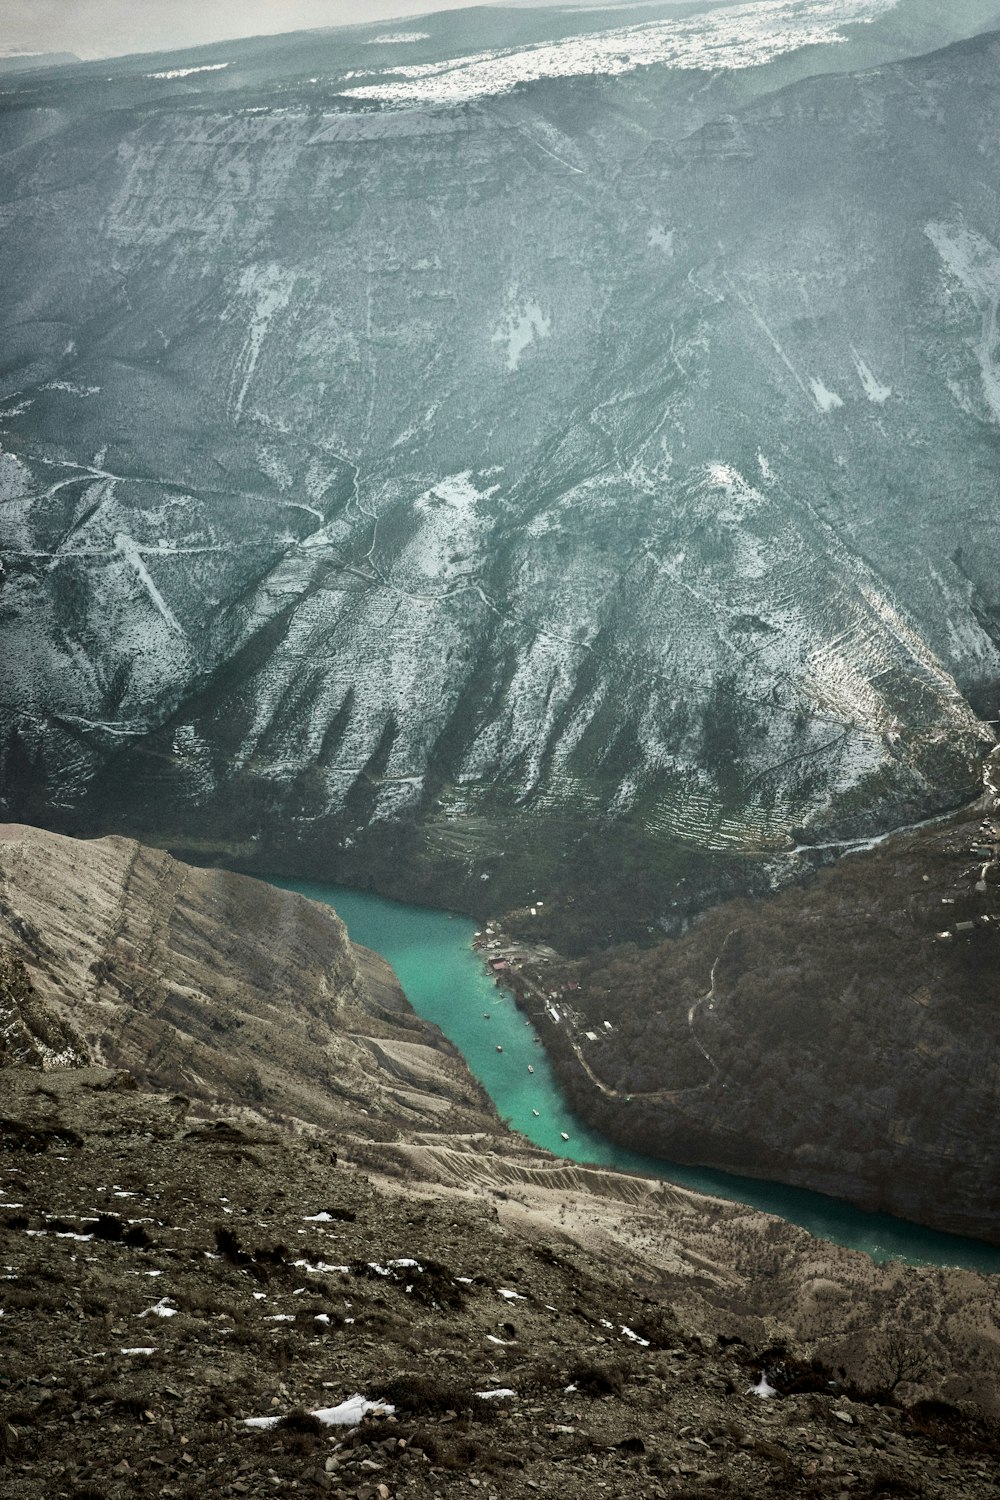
446,982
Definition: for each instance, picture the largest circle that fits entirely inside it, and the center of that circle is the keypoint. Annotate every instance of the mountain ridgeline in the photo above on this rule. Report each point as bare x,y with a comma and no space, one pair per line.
420,485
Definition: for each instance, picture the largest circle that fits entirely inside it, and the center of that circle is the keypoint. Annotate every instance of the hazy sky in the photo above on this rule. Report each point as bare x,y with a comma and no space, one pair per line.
108,28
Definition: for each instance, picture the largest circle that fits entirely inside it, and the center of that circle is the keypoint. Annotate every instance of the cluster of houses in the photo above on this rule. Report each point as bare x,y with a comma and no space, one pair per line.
986,852
504,966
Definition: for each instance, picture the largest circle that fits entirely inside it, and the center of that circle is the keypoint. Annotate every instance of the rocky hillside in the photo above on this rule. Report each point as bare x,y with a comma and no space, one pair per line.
192,1307
215,985
842,1036
439,451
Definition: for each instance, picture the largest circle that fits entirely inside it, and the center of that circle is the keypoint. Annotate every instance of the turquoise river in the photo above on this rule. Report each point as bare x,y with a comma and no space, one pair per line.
446,982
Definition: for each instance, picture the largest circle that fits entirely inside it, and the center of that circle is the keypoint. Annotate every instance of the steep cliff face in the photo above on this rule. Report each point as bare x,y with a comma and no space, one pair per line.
843,1036
403,451
220,987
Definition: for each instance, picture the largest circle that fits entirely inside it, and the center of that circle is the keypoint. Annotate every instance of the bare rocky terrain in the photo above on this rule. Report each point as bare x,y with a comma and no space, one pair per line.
224,987
175,1264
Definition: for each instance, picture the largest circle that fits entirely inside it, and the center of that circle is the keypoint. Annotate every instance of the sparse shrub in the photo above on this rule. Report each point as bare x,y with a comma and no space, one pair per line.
656,1324
8,1443
430,1395
791,1376
131,1405
460,1454
217,1407
596,1379
16,1136
432,1284
108,1227
632,1447
245,1335
773,1454
885,1482
941,1422
302,1421
435,1285
228,1246
895,1360
33,1299
277,1255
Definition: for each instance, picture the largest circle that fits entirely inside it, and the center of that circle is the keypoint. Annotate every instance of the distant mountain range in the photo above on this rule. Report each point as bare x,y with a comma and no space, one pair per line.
423,446
25,61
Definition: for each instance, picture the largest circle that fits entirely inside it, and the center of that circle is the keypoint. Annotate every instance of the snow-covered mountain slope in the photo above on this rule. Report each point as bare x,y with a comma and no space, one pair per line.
609,446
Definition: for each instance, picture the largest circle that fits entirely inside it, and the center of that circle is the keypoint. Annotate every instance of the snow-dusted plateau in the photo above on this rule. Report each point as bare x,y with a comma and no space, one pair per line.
456,436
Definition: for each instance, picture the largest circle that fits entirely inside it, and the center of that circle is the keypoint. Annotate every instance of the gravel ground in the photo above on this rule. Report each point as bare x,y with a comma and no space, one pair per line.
166,1278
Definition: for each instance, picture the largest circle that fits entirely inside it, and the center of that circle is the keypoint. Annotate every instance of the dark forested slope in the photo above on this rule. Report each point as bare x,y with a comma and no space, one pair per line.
842,1036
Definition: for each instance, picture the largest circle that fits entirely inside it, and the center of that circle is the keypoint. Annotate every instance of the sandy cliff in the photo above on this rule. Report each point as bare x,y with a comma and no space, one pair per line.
218,986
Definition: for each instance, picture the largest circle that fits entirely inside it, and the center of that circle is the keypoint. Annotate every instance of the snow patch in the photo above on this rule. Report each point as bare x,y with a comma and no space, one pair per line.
130,551
659,238
522,324
348,1414
187,72
763,1388
269,289
635,1338
826,400
741,36
398,39
72,389
975,264
873,389
161,1309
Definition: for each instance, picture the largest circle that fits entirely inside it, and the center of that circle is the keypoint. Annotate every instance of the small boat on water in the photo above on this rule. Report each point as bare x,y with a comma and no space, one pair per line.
530,1068
499,1048
486,1015
535,1113
564,1135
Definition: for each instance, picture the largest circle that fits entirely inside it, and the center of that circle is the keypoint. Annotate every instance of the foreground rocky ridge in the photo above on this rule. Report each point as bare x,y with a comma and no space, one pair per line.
164,1279
173,1266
